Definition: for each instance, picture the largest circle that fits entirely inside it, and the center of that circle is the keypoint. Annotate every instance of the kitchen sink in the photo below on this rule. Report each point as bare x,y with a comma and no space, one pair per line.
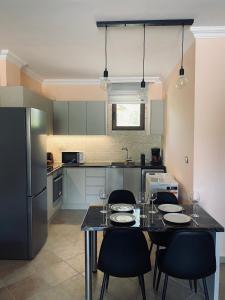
122,163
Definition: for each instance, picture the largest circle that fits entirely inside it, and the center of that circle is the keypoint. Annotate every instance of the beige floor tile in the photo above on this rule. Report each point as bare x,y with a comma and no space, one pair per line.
55,293
77,262
19,274
45,258
9,266
28,287
5,294
57,273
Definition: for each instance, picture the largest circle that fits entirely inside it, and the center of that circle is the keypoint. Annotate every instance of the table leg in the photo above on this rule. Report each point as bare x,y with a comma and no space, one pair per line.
214,280
88,265
94,251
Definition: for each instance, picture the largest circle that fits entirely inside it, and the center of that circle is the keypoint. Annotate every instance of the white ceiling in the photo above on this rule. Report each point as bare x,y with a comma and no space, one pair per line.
59,38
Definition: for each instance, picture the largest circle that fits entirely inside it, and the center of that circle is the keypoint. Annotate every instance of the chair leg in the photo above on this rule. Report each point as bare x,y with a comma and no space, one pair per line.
155,268
196,286
190,283
158,280
205,289
107,282
103,287
142,284
165,287
151,248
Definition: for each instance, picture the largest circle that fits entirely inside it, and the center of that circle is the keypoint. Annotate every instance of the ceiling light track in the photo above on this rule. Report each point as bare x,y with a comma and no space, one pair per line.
166,22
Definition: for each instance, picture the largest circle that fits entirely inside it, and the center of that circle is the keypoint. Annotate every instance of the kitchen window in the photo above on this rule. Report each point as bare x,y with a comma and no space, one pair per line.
128,116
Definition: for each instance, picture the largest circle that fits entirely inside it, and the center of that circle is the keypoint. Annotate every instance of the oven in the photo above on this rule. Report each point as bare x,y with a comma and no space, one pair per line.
57,186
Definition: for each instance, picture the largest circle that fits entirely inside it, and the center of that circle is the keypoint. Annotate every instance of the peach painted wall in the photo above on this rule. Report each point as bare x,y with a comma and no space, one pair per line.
179,125
3,79
31,83
209,131
13,74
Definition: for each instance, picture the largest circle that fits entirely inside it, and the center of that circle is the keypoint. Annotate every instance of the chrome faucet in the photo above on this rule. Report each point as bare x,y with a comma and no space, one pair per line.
126,149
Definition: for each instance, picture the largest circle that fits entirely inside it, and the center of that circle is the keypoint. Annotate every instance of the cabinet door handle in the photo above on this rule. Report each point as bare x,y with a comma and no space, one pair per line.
58,178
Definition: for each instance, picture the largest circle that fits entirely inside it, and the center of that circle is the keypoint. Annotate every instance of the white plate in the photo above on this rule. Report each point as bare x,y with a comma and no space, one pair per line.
177,218
170,208
122,207
122,218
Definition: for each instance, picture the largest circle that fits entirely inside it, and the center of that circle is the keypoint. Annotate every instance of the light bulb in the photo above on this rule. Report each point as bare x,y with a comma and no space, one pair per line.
181,82
182,79
104,81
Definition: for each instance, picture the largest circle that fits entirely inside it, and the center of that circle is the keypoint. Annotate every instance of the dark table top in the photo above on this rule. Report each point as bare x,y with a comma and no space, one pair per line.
96,221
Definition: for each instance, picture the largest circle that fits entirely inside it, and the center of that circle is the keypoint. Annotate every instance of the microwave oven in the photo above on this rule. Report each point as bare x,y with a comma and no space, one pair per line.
73,157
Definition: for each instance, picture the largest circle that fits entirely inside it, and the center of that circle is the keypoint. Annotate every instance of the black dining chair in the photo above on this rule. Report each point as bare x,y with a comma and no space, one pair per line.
124,253
121,196
161,239
190,255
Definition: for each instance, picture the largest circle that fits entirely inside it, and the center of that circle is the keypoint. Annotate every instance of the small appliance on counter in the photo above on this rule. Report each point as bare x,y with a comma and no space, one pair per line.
163,182
156,157
73,157
142,158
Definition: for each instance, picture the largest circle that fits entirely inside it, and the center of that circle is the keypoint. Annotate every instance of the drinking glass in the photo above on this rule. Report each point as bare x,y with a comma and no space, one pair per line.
103,196
195,199
153,197
142,201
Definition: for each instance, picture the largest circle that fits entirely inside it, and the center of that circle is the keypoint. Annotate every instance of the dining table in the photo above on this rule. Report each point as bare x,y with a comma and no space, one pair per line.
95,221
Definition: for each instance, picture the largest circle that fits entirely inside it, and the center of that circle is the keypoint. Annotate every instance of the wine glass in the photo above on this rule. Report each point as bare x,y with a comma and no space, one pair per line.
153,197
103,196
142,200
195,199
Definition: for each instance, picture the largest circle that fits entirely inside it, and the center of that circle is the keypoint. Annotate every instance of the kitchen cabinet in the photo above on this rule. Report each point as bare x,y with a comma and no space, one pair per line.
157,117
95,183
19,96
60,124
77,117
114,179
132,180
74,188
96,118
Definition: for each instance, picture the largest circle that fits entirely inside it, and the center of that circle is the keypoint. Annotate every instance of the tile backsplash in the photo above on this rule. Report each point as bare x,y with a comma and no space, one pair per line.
105,148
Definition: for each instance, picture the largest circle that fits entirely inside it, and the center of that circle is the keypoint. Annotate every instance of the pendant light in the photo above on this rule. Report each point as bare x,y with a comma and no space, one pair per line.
105,79
182,80
143,83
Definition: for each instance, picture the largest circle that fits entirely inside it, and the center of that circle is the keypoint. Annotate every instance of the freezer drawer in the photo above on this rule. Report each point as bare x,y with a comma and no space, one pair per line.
38,223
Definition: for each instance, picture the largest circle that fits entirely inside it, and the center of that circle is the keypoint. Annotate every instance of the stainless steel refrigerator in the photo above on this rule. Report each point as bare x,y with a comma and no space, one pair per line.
23,180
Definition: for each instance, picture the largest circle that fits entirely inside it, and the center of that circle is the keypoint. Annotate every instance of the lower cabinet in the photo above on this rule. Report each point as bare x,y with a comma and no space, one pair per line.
74,188
82,186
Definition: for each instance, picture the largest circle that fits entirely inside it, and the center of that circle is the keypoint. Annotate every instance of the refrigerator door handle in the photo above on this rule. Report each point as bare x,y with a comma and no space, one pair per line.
33,196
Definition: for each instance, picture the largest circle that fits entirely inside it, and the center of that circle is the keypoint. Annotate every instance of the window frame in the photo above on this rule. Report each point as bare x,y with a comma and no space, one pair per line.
131,128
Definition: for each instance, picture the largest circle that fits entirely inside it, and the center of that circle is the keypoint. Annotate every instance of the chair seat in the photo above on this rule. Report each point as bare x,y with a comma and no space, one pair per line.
161,239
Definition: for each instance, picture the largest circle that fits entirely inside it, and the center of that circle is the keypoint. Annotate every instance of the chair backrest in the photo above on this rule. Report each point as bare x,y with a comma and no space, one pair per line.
124,253
166,198
190,255
121,196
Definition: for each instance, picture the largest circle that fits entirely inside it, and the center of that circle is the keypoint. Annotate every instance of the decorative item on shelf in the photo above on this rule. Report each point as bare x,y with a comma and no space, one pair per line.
182,79
105,79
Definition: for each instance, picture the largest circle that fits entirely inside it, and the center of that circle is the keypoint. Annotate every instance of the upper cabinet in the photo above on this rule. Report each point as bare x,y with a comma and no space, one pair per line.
60,120
96,120
79,118
157,117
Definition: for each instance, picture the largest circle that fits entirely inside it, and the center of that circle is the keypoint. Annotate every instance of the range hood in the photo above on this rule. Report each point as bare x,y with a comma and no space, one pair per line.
127,92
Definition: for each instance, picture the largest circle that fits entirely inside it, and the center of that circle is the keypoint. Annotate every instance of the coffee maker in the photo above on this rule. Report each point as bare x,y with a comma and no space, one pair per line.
156,157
